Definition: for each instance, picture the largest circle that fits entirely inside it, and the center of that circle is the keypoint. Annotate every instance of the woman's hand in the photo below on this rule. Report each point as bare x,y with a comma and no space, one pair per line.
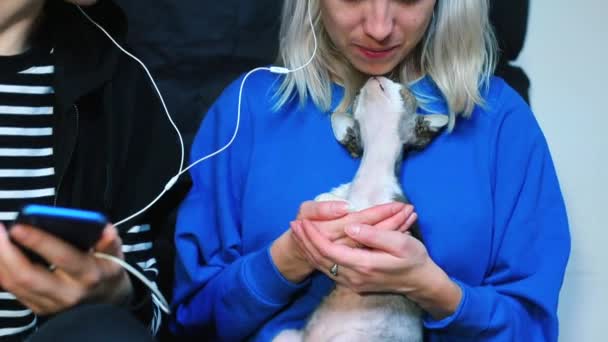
77,277
391,216
332,217
392,262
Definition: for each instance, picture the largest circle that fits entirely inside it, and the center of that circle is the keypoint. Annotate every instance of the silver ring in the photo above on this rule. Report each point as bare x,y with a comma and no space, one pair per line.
52,268
334,270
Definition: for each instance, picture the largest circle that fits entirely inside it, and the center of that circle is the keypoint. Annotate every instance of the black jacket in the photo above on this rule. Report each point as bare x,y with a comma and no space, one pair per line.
114,147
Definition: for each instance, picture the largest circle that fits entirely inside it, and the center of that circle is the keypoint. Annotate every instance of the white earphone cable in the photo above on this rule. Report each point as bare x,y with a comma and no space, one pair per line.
157,295
160,299
273,69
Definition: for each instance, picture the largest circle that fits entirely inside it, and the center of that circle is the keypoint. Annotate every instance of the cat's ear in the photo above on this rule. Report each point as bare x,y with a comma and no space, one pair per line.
346,130
426,129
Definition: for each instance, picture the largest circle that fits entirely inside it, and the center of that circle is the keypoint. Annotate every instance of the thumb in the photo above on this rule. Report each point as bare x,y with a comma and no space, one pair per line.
109,242
389,241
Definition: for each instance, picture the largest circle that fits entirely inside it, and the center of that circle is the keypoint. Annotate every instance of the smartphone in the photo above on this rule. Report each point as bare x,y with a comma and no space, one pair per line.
80,228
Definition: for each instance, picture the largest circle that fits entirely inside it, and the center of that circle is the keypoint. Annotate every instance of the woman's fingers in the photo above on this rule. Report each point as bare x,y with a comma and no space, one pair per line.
322,211
392,242
389,215
398,221
408,223
52,249
376,214
109,242
312,254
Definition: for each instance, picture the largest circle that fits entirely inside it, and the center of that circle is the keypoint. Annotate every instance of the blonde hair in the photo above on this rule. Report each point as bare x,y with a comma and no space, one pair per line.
458,52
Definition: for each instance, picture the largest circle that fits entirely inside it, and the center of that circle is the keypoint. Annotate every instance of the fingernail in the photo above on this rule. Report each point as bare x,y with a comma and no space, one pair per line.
297,225
398,206
353,230
340,208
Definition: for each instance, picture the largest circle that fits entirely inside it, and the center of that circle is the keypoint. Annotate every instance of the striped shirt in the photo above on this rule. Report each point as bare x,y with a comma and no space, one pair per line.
26,155
27,172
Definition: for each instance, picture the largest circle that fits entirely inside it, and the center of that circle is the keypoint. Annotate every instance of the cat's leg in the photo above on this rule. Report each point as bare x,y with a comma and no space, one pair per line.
427,127
347,132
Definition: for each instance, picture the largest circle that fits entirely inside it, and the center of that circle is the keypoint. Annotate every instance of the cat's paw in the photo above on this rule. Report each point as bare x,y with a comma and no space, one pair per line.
426,129
346,131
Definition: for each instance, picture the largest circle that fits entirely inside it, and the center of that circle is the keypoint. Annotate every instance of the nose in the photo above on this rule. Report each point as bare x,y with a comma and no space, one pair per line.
378,21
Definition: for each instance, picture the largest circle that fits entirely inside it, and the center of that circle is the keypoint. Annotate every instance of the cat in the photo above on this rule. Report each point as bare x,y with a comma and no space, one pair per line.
383,128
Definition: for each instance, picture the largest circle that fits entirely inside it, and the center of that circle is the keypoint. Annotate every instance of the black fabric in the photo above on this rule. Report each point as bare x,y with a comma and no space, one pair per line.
92,323
115,148
510,22
105,101
194,49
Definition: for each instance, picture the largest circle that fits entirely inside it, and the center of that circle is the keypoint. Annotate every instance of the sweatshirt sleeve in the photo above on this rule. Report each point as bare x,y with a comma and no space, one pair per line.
221,293
518,298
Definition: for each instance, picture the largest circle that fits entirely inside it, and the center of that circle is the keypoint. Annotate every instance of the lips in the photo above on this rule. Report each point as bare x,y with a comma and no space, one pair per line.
374,53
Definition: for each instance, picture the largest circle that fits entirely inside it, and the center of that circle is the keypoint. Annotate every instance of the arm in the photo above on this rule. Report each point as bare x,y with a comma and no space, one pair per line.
221,292
530,248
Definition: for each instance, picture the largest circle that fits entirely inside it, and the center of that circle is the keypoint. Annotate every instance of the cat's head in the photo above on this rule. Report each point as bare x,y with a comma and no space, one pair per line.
384,109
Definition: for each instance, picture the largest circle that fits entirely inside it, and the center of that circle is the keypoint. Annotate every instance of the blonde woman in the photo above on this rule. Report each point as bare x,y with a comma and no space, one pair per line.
488,202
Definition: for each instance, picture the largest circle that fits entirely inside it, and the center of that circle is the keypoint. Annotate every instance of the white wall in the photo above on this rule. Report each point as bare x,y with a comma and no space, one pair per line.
566,57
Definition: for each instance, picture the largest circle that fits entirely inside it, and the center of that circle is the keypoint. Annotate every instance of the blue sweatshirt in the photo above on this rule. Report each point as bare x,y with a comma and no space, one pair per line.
489,204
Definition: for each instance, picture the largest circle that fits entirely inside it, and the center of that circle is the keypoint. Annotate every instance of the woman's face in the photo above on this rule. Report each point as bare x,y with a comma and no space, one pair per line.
376,35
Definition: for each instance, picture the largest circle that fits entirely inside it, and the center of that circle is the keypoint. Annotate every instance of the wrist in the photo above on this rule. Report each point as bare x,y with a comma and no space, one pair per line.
438,295
287,257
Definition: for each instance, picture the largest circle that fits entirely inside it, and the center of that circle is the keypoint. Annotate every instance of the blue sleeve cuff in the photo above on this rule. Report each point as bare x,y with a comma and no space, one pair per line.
433,324
471,316
265,281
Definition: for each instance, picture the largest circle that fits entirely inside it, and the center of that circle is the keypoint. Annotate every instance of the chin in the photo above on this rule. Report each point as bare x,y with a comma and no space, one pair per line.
375,69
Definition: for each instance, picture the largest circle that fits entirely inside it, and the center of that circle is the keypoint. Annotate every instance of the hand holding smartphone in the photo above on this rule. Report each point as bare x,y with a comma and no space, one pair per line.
80,228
